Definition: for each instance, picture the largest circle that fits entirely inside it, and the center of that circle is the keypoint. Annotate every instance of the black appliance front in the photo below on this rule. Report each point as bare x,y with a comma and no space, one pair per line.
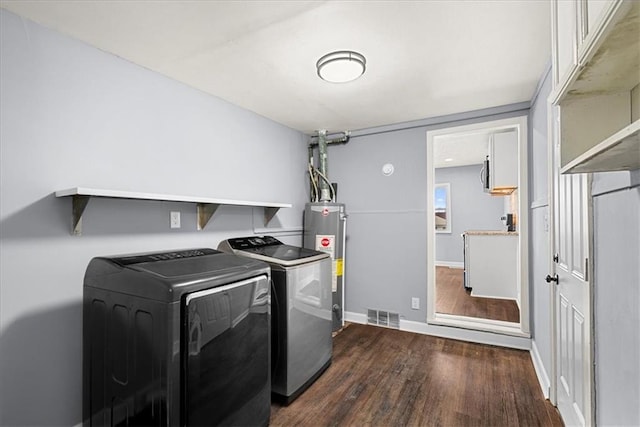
484,175
465,284
176,339
227,356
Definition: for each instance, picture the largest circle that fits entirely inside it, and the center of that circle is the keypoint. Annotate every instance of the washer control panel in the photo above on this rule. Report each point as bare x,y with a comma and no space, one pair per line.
253,242
164,256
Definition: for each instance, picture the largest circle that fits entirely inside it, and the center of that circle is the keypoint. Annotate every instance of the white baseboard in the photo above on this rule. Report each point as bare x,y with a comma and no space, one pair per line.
495,297
541,373
450,264
461,334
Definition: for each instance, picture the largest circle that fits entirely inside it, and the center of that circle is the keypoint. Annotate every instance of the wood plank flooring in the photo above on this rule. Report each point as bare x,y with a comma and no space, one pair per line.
386,377
452,298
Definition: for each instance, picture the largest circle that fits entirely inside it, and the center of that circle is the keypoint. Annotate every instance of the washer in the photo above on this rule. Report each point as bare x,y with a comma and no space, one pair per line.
301,317
177,338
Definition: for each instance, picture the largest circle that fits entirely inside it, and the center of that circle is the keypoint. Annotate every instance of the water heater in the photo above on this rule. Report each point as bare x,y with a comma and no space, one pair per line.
324,230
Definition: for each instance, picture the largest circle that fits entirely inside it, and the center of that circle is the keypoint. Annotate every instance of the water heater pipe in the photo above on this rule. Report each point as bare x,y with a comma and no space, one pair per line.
325,189
325,192
342,140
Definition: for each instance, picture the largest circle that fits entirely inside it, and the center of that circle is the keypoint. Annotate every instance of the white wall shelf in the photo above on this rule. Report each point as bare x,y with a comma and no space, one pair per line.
206,206
620,151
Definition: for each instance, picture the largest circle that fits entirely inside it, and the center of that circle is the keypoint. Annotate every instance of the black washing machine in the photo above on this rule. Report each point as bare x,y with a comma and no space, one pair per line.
177,339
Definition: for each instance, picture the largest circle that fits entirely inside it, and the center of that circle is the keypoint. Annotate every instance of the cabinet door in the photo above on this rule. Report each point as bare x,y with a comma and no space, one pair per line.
503,158
564,25
593,11
592,16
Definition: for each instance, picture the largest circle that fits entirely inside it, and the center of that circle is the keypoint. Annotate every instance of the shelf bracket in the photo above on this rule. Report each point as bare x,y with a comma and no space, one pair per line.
78,205
205,212
269,213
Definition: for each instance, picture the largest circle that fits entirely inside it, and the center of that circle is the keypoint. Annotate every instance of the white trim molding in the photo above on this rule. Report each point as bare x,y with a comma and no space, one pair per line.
521,328
460,334
541,372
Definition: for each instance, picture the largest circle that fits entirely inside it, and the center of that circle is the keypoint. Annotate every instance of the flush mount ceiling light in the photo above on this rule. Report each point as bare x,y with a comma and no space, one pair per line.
341,66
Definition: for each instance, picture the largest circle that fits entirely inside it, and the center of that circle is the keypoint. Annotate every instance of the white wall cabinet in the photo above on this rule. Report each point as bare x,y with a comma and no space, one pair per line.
503,162
565,42
491,264
596,59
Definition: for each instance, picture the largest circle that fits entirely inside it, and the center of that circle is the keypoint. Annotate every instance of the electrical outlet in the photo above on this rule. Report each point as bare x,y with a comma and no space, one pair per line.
175,219
415,303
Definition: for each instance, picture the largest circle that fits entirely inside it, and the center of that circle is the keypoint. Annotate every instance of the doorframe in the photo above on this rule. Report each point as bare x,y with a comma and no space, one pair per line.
521,329
552,139
553,134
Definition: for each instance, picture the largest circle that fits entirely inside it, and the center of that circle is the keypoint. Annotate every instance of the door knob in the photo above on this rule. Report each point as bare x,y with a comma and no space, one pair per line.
550,279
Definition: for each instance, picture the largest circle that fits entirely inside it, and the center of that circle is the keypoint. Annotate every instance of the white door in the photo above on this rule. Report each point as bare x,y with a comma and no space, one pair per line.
573,379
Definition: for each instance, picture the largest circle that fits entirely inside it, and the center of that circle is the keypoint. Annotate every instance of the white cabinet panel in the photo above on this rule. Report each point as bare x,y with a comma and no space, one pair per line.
594,14
564,37
492,265
503,161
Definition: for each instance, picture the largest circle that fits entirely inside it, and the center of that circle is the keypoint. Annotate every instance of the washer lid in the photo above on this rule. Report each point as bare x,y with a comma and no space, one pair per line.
285,252
270,249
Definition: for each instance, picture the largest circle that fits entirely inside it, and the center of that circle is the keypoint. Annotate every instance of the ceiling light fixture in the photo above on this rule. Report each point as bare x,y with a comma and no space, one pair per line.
341,66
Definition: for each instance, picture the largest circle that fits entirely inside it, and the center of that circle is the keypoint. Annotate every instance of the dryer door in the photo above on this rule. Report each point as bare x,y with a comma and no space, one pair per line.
226,346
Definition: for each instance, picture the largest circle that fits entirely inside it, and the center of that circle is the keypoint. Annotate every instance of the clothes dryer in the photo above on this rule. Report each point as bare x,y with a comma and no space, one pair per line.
301,311
177,338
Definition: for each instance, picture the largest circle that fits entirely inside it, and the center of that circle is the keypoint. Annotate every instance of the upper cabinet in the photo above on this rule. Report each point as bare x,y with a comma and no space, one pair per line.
565,38
596,75
503,162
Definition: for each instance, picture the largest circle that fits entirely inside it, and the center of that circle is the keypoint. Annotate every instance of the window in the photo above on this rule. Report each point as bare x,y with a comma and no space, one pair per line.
442,205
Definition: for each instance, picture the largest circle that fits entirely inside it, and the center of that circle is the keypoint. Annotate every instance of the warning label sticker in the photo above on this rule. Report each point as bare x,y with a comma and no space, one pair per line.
327,243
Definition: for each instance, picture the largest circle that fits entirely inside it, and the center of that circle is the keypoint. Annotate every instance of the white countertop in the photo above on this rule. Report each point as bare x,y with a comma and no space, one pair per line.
490,233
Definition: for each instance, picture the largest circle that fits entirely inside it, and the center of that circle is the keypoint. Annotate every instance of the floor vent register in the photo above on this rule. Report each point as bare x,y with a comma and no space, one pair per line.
383,318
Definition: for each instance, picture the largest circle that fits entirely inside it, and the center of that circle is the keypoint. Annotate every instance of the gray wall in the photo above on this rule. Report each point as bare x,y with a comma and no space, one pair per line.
539,257
75,116
616,216
386,254
471,209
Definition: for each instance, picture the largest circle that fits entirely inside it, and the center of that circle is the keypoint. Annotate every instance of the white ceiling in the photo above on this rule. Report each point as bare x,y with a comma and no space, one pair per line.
461,149
424,58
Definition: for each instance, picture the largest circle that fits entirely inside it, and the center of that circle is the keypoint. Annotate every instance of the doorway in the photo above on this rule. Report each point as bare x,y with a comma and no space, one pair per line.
468,243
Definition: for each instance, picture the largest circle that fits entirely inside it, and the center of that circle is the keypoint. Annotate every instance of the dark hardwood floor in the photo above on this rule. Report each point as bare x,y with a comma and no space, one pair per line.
452,298
386,377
